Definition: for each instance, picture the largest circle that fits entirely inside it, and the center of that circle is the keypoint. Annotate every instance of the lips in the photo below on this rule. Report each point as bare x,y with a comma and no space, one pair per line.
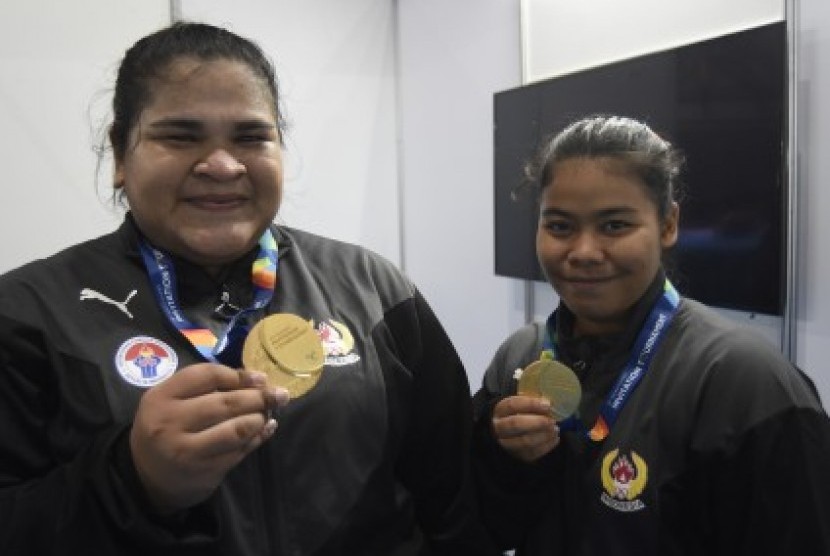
587,280
216,202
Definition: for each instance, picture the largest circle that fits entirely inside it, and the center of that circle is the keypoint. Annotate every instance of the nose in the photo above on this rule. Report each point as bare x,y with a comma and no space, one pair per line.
220,165
586,248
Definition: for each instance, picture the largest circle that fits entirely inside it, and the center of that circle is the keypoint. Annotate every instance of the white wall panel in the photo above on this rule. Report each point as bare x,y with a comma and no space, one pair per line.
454,56
560,36
813,274
57,65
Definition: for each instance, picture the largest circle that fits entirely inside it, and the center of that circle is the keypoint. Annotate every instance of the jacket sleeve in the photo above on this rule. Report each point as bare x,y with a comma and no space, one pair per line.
771,492
512,493
67,484
760,456
434,456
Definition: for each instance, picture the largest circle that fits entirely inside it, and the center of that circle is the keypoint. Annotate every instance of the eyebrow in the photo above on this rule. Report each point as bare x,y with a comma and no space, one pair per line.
185,123
196,125
604,213
247,125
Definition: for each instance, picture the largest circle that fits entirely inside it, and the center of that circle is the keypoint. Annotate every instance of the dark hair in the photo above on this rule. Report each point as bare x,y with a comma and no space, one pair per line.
630,141
150,56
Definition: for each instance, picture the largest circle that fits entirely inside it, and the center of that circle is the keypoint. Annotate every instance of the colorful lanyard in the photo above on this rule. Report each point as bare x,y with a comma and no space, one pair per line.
227,348
648,340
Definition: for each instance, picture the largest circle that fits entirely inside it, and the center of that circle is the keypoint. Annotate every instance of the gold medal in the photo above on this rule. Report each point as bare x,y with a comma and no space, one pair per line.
556,382
292,343
288,350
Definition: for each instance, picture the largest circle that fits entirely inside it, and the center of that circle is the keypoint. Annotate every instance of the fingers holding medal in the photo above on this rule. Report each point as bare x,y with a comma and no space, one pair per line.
288,349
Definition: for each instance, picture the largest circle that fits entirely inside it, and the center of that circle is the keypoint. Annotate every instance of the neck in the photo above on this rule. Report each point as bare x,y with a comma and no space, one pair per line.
583,327
215,271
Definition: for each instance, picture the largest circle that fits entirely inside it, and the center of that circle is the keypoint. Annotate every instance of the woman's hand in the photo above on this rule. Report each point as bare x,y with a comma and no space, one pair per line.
524,426
191,429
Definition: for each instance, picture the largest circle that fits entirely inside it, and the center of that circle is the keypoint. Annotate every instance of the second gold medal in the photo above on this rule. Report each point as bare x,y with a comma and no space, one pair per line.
288,350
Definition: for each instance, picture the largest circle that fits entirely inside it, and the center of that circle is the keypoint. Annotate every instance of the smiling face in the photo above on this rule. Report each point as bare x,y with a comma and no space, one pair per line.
203,168
600,240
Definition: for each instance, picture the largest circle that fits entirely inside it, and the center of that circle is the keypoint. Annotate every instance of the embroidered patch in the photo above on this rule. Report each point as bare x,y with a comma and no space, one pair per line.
623,480
338,343
145,361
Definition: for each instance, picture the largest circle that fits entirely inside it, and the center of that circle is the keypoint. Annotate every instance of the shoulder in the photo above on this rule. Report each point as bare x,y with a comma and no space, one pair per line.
317,248
717,338
73,258
516,352
730,361
49,280
340,261
523,343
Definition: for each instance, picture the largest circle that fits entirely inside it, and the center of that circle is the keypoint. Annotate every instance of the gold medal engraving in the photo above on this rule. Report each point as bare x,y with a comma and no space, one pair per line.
288,350
556,382
292,343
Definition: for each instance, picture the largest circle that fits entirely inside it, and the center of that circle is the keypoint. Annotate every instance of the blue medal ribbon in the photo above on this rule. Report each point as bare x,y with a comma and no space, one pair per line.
646,344
227,349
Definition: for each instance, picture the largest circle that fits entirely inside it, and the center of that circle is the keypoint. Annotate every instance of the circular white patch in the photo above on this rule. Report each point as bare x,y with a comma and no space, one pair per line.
145,361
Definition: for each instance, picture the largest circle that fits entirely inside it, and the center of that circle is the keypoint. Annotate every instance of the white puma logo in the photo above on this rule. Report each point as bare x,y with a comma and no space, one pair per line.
87,293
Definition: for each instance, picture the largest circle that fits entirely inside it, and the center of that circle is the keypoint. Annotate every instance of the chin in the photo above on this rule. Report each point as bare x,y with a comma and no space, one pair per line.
594,309
213,253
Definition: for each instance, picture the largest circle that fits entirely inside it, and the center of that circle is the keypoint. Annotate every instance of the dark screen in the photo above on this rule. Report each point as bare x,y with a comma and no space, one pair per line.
721,102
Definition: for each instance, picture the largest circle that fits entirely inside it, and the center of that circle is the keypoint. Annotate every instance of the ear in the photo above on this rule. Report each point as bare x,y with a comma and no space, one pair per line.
669,226
118,179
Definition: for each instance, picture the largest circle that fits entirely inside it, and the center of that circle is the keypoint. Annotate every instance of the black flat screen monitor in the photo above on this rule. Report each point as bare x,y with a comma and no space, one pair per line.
722,103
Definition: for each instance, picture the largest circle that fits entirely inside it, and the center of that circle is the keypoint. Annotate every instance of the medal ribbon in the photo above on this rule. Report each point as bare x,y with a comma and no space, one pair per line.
648,340
227,348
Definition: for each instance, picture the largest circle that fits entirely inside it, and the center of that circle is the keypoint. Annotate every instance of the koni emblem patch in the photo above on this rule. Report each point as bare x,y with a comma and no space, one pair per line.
145,361
624,477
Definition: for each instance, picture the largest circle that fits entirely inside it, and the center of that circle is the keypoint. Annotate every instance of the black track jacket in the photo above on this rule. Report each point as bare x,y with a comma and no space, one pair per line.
374,460
723,449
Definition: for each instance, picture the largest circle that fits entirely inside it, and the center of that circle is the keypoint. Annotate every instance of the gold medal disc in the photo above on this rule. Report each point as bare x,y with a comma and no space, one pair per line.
556,382
300,361
292,343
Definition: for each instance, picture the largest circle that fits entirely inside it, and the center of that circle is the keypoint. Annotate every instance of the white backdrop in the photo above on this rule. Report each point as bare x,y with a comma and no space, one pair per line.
560,36
813,273
57,64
